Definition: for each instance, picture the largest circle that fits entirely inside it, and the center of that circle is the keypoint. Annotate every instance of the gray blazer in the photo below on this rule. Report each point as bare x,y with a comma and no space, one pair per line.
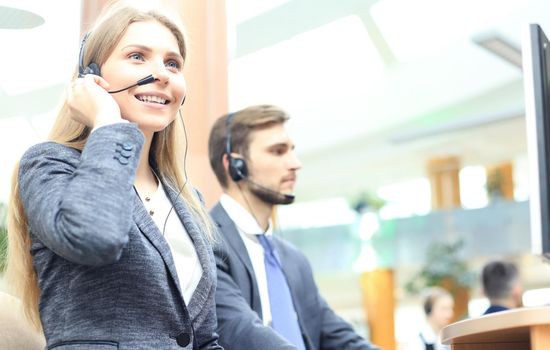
238,303
106,274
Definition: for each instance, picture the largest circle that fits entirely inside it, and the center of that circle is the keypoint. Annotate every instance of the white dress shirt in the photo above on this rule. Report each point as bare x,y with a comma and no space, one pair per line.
429,336
185,257
249,228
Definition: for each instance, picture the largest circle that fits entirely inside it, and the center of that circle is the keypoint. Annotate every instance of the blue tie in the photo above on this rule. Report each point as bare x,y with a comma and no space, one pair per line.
285,320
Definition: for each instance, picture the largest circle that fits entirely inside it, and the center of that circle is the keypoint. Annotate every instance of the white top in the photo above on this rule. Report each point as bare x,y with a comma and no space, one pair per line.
248,229
427,332
185,257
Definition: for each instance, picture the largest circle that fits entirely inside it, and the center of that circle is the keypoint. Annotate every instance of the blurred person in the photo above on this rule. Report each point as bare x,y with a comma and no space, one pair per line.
267,297
438,308
109,247
502,286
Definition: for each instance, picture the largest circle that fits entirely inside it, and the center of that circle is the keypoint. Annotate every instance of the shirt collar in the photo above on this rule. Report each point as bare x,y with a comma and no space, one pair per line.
245,222
428,333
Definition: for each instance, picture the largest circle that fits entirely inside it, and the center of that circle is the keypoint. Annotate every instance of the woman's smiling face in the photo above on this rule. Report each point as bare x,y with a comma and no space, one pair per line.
146,48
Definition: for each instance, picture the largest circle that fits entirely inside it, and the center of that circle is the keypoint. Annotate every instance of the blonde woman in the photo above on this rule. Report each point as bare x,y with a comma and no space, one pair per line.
438,307
109,248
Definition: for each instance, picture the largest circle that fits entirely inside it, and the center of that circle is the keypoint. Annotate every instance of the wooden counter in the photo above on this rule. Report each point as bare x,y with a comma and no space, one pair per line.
519,329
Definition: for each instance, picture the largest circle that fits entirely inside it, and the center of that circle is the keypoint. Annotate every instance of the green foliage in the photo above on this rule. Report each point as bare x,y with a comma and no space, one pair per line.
366,200
442,263
3,237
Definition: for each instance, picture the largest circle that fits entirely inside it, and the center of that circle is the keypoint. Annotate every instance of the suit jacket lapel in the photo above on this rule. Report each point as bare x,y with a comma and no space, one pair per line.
233,238
204,289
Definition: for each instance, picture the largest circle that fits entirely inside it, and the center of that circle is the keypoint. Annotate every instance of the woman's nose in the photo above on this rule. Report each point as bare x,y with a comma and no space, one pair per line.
161,74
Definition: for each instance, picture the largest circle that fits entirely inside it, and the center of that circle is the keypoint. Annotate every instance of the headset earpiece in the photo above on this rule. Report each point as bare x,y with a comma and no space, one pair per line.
92,68
237,166
428,309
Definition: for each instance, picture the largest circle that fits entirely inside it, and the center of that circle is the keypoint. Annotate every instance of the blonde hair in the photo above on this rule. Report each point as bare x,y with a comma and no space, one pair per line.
166,152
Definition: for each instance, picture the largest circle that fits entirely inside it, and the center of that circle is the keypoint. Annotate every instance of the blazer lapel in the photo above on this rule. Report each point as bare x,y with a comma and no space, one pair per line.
204,289
150,230
233,238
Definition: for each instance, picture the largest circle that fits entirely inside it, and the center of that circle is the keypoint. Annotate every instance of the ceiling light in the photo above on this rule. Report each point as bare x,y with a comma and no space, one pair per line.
455,125
501,47
12,18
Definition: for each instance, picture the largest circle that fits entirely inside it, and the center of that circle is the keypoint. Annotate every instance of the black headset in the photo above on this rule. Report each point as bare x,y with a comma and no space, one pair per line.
428,306
92,68
237,166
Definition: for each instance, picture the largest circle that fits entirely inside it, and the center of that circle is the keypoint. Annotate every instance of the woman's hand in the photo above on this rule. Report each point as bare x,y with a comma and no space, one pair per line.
90,104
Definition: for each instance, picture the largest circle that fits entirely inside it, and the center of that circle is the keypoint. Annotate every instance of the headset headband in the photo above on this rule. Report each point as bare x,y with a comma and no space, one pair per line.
228,123
81,55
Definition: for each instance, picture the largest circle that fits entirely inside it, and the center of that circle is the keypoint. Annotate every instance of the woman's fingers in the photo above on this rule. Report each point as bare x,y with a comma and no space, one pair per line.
96,79
89,102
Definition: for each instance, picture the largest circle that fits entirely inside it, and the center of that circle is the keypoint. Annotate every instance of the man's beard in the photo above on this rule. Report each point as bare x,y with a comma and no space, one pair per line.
268,195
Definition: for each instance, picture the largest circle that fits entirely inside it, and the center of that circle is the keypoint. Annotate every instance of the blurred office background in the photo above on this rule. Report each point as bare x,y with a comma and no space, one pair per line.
408,117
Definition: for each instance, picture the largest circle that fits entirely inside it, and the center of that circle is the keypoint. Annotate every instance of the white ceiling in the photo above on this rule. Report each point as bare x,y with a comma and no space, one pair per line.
349,101
34,67
354,75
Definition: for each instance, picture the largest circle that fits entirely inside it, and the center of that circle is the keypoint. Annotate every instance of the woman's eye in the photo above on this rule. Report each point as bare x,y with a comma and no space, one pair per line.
136,56
173,64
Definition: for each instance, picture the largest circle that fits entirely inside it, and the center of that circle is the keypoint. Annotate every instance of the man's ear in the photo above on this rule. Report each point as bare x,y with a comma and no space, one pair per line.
517,294
225,162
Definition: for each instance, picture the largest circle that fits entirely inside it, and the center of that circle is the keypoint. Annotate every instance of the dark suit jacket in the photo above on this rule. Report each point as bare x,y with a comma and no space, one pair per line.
238,300
106,274
495,308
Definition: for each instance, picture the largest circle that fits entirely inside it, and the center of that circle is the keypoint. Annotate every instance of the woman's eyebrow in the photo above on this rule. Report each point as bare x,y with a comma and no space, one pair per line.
148,49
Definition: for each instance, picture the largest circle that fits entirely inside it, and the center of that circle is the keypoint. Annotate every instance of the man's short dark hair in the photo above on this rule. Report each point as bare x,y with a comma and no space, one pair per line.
498,279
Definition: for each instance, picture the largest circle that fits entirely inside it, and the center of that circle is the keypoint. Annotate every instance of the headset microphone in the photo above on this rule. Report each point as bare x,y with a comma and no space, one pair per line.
147,80
288,198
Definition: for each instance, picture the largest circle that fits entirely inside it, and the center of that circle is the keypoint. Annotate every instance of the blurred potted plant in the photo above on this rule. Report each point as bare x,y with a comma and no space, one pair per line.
494,185
443,267
367,201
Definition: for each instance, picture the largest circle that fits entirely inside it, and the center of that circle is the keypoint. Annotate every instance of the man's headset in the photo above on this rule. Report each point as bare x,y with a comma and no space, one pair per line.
237,166
238,170
93,68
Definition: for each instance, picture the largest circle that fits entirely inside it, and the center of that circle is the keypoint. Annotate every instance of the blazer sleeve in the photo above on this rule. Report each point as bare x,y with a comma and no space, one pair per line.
239,327
337,334
79,205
